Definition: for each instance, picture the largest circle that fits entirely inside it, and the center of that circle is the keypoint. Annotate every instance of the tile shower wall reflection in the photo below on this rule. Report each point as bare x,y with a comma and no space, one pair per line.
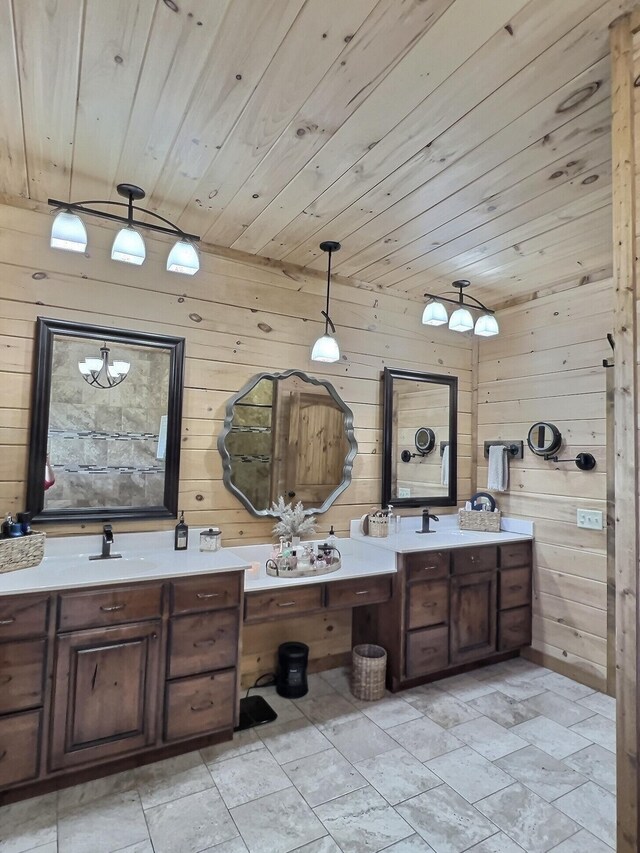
104,443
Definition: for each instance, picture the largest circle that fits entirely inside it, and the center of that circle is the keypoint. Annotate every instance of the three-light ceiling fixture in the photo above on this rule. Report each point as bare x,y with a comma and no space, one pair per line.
326,347
461,320
68,231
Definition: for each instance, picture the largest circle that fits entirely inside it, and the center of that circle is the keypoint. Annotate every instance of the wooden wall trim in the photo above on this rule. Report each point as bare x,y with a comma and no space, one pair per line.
625,429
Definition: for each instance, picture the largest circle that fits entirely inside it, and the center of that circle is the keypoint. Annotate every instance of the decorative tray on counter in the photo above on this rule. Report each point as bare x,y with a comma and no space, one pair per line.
327,560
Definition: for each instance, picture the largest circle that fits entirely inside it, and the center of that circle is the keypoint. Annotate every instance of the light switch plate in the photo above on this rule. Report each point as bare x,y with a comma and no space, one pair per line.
404,493
591,519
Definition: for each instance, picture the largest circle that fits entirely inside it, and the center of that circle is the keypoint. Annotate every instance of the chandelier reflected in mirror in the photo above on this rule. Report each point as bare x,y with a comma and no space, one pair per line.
99,373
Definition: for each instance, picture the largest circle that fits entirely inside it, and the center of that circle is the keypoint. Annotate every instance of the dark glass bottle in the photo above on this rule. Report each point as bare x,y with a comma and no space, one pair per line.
182,534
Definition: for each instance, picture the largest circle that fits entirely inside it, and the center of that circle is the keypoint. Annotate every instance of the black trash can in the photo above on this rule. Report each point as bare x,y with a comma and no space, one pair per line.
292,670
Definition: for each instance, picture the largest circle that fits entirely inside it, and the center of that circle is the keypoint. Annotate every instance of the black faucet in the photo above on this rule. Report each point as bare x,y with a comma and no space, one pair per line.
426,518
107,542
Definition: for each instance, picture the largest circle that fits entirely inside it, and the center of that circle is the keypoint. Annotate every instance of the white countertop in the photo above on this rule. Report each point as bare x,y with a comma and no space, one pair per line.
150,556
360,559
446,535
145,557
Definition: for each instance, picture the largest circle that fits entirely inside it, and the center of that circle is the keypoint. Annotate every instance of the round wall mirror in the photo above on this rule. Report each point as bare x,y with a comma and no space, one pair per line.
287,435
425,440
544,439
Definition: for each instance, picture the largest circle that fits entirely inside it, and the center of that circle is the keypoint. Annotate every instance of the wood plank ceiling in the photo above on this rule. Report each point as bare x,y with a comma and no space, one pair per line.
436,139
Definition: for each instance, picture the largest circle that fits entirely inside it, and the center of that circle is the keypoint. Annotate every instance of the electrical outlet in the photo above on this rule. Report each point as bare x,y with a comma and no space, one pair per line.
591,519
404,493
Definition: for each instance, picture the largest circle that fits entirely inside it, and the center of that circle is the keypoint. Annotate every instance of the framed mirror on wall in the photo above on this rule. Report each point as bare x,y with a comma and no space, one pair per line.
420,446
287,434
105,424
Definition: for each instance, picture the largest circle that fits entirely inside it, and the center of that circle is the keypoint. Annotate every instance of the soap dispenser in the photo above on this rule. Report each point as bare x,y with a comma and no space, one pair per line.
182,534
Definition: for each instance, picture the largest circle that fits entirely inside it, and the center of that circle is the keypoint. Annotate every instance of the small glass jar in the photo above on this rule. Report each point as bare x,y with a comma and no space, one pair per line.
211,539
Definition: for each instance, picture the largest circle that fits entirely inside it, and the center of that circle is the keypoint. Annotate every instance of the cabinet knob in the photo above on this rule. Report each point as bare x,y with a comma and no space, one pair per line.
362,592
8,621
201,643
286,603
202,595
112,608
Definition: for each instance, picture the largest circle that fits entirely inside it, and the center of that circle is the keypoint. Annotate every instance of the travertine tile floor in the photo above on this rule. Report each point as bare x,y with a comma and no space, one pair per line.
507,759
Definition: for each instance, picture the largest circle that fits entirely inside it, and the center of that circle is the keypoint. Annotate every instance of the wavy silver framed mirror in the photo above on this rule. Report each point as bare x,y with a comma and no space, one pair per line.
287,434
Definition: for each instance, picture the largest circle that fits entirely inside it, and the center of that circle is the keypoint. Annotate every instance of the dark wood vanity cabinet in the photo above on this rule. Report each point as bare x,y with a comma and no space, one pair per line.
129,674
451,609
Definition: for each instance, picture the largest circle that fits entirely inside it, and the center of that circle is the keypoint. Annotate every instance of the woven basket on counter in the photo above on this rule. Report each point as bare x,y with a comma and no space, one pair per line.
23,552
368,672
485,522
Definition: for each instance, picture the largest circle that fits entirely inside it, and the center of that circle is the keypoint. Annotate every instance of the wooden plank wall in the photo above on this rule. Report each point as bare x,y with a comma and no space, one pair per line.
547,365
239,317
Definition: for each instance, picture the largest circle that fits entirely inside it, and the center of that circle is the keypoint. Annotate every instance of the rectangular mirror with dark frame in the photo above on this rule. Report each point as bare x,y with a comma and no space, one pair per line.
420,447
105,424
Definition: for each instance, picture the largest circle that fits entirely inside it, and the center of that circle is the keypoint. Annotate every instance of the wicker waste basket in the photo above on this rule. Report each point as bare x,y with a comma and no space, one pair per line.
368,671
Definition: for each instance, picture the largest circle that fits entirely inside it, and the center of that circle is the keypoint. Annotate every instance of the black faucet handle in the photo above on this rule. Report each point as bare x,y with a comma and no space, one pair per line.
107,532
434,517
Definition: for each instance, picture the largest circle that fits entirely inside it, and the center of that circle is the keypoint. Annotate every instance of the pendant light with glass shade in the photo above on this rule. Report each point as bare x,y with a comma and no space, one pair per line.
326,347
461,320
68,231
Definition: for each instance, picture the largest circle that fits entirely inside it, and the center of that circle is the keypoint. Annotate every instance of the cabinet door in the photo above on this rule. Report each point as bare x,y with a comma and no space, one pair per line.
105,693
473,616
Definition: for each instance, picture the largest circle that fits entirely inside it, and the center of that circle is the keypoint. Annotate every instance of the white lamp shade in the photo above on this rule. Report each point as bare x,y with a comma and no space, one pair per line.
68,232
461,320
486,326
121,367
434,314
128,247
93,363
84,368
325,349
183,258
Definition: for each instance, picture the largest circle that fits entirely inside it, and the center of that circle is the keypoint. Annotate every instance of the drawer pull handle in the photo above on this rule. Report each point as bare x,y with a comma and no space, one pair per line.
5,679
202,595
3,754
429,568
201,643
286,603
8,621
112,608
202,707
363,592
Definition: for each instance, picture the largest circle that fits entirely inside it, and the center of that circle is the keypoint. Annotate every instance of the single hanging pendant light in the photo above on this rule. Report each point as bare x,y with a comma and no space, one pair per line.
68,232
326,347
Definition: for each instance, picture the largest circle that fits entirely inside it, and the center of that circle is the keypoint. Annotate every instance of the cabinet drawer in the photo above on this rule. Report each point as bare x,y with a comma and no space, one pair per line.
209,592
515,554
111,606
427,565
515,629
515,587
22,616
428,603
282,602
474,559
19,747
427,651
203,642
200,705
21,674
357,592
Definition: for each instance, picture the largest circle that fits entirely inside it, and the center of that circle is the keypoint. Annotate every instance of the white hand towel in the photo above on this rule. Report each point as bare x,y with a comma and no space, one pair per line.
498,476
444,467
